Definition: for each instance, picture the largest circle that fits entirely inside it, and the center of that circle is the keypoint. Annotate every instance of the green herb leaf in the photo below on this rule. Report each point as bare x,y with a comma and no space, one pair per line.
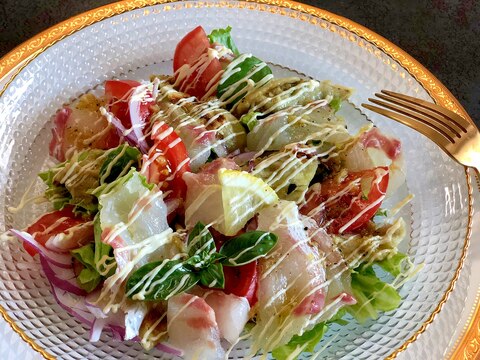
250,120
336,103
213,155
247,247
117,161
213,276
382,212
223,36
200,241
251,68
160,280
305,342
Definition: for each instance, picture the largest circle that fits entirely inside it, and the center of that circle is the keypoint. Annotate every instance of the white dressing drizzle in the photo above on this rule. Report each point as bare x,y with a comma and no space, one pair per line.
112,286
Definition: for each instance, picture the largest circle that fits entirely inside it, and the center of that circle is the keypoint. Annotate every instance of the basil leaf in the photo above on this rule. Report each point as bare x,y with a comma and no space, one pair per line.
200,241
223,36
251,68
213,276
103,257
117,162
247,247
175,279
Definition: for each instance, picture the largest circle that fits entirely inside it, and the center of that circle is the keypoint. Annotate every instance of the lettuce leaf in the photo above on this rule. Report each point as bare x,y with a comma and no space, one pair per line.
336,103
309,339
250,120
372,294
102,250
57,194
74,181
90,257
301,343
393,265
88,278
223,36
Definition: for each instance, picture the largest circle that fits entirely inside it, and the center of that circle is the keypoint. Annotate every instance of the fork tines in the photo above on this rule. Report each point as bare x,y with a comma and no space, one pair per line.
447,123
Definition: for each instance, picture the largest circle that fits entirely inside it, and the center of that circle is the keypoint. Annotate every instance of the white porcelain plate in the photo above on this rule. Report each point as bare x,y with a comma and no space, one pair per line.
72,58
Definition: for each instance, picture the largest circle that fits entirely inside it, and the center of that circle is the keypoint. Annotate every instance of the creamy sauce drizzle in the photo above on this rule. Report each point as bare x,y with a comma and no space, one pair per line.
294,161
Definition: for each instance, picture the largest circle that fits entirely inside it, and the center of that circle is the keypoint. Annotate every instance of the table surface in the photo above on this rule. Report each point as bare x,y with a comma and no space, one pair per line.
444,35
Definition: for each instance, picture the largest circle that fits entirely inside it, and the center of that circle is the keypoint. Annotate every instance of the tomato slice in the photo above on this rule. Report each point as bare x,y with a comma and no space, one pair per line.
190,48
353,209
52,224
242,281
167,160
118,94
188,51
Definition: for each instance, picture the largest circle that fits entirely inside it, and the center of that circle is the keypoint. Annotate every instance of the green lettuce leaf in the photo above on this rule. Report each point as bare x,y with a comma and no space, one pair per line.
88,278
393,265
250,119
103,256
298,344
372,294
223,36
74,181
91,256
336,103
57,194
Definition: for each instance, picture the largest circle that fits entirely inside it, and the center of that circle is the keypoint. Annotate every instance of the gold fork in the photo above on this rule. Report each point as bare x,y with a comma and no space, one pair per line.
455,135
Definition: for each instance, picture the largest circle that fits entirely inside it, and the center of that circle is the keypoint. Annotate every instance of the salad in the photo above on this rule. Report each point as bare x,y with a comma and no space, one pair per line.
219,204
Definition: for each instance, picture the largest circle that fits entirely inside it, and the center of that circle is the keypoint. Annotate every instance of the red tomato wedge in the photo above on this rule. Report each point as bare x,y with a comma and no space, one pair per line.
242,281
188,51
118,93
51,224
353,209
167,160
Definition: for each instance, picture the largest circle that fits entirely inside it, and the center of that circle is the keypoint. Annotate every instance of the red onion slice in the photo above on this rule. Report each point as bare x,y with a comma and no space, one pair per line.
78,308
169,349
63,279
138,124
123,132
74,305
96,330
58,259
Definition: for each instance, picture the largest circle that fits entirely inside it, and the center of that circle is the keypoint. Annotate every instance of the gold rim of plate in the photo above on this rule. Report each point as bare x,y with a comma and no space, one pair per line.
17,59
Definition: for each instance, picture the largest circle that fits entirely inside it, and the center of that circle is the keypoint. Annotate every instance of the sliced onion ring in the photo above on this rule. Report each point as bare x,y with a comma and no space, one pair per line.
58,259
